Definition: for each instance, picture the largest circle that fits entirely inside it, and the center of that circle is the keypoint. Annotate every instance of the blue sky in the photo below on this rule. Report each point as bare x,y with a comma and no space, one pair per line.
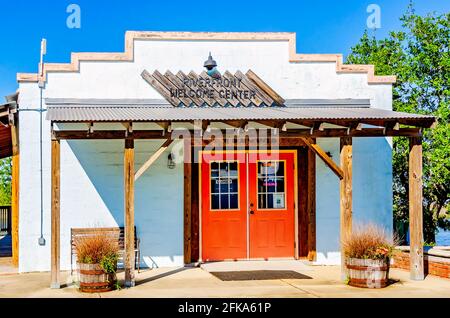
321,26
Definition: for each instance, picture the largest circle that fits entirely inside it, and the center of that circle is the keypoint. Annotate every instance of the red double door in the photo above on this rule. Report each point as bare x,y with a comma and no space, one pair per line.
248,205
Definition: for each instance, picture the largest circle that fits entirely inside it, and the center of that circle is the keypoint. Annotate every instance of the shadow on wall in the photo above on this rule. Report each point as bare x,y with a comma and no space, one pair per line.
158,196
372,192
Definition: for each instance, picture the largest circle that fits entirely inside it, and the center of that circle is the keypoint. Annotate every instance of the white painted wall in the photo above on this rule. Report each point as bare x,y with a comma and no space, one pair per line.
91,180
372,192
92,196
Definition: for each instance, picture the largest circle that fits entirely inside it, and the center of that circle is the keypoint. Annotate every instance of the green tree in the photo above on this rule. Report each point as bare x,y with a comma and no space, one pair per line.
5,181
419,56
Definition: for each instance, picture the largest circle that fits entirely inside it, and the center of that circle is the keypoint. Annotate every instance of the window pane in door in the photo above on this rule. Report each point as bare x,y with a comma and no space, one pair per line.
271,185
224,185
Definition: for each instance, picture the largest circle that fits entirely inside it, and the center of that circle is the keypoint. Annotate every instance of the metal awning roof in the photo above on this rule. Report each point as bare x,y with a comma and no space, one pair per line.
158,113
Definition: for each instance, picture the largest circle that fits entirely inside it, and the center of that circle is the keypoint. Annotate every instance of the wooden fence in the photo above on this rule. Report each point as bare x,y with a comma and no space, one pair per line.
5,219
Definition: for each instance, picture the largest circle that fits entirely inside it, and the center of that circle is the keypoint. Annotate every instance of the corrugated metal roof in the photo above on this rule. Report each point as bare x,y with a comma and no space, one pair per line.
106,113
79,102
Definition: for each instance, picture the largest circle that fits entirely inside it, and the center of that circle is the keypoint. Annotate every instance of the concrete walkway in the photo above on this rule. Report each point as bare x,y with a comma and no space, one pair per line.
290,265
197,282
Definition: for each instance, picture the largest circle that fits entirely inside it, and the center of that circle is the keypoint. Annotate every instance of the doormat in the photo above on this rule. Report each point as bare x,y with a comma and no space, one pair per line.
258,275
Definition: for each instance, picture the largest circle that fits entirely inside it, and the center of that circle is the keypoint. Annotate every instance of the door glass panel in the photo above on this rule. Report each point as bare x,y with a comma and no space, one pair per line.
224,185
271,185
214,201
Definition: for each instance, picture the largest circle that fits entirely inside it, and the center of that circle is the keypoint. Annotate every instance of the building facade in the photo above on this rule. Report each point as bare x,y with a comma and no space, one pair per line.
288,207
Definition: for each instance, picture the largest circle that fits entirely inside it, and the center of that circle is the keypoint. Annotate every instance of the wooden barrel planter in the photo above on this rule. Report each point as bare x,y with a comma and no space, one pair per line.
93,278
368,273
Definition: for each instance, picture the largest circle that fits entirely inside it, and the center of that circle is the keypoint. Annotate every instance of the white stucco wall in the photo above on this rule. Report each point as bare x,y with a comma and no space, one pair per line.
372,192
92,196
91,171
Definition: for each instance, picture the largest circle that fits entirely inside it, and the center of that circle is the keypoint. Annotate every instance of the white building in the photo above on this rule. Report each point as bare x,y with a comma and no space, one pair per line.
234,206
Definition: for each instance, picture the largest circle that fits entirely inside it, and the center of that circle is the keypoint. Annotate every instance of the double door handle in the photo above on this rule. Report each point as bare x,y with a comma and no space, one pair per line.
251,208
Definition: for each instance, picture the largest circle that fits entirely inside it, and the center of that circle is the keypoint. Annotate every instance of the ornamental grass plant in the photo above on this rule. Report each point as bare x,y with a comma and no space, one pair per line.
369,241
98,249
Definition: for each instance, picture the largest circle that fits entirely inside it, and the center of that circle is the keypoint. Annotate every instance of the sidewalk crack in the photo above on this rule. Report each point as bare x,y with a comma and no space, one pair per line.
303,290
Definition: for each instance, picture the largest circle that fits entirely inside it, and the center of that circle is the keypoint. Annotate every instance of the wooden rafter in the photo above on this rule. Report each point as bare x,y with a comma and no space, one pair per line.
152,158
291,133
261,96
325,158
235,123
266,88
165,125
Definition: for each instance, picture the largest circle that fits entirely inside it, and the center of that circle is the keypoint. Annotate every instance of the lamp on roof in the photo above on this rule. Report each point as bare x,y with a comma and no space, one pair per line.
210,63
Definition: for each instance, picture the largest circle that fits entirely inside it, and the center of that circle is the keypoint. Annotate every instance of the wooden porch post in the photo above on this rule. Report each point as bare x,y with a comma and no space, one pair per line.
415,209
187,201
345,196
311,206
55,215
15,194
129,212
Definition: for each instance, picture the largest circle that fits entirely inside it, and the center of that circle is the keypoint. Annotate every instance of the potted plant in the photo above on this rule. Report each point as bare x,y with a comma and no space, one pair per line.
97,257
367,251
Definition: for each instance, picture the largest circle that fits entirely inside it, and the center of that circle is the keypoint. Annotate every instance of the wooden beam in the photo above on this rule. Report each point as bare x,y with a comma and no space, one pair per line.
195,210
128,128
187,101
315,127
176,82
345,196
152,159
213,100
129,212
343,132
166,126
181,78
15,194
354,126
55,215
325,158
283,142
291,133
260,97
266,88
205,125
208,100
270,123
415,209
243,101
187,202
157,85
235,123
311,205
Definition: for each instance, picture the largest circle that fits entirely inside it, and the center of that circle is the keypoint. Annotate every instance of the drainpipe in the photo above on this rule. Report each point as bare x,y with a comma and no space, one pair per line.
41,87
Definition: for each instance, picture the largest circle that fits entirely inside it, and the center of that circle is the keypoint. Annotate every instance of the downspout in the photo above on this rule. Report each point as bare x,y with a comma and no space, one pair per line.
41,84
